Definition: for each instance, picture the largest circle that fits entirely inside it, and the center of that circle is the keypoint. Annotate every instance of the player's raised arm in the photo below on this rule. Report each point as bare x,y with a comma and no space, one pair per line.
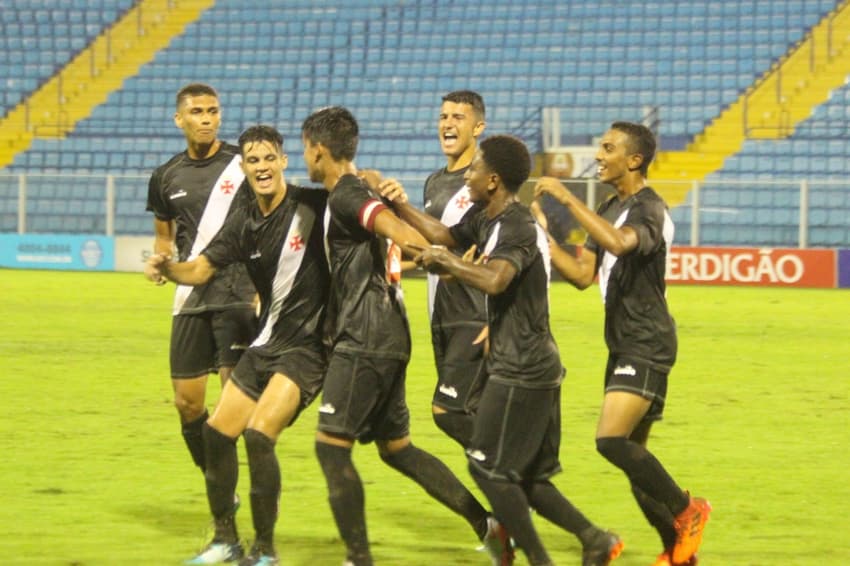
579,271
618,241
432,229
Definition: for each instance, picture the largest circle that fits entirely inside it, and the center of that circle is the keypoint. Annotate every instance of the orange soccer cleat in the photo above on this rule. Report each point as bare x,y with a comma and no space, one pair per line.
689,525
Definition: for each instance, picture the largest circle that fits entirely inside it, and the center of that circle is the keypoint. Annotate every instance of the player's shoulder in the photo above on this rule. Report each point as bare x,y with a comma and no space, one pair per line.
649,200
229,149
310,195
174,161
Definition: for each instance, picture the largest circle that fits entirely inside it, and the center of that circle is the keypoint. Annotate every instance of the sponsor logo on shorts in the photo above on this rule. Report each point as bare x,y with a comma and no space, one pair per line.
448,391
179,194
327,409
625,370
477,455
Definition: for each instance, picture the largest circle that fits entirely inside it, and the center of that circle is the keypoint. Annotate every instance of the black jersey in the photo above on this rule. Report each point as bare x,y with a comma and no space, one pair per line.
366,313
285,257
637,320
522,349
450,302
198,194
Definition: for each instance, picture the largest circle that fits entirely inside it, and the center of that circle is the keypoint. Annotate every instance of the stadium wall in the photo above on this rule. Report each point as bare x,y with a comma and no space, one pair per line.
773,267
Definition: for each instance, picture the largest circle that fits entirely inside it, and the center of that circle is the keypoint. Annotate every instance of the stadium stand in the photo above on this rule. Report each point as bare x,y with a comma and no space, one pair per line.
390,61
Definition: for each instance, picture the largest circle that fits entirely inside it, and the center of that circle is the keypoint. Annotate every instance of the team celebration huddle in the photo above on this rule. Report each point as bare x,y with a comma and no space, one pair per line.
292,295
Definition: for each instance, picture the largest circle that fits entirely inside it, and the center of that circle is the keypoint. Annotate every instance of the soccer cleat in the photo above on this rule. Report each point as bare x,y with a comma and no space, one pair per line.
498,544
604,548
259,560
218,553
665,560
689,525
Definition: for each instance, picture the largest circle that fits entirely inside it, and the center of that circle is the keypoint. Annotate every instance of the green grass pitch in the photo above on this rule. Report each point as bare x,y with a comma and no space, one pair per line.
93,469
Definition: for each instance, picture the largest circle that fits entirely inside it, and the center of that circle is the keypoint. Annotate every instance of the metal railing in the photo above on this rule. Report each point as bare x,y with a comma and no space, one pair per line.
792,213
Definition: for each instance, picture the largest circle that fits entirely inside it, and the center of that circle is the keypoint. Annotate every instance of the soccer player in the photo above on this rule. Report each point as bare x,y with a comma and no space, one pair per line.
456,310
628,240
364,394
280,241
516,436
190,196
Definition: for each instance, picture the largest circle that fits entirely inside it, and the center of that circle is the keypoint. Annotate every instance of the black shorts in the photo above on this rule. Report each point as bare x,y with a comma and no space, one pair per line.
201,343
363,398
517,433
461,371
633,376
304,366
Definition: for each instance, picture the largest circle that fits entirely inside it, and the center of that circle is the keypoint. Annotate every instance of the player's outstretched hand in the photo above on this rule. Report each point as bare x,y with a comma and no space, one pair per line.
392,190
552,186
153,268
431,258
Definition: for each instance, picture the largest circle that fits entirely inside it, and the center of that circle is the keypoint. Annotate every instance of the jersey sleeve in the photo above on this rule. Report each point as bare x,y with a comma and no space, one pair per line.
646,218
156,198
355,204
228,245
517,242
466,232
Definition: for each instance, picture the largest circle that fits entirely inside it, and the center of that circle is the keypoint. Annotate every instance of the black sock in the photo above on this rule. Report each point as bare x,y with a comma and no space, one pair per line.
658,515
265,487
345,494
440,483
553,506
510,506
194,438
222,472
457,425
644,471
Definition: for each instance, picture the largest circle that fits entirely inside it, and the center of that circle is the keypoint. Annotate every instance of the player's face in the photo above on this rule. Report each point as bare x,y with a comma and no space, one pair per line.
311,155
458,128
613,159
199,117
479,179
263,164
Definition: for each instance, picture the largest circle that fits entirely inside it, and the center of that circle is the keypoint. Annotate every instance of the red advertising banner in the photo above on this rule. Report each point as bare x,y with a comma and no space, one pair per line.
752,266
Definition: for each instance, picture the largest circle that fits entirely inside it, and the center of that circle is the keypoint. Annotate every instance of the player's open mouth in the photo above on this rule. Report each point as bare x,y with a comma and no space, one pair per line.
263,179
449,139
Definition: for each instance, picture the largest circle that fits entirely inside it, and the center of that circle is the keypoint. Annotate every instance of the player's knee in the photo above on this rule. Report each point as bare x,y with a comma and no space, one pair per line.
189,408
257,443
615,449
458,426
395,457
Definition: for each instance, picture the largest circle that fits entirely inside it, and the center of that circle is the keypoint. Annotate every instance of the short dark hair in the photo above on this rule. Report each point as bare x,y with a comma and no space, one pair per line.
194,89
641,140
260,133
508,157
467,97
335,128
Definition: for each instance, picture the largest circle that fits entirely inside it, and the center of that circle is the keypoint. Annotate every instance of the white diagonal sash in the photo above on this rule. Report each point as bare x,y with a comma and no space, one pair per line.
218,204
609,259
291,255
452,214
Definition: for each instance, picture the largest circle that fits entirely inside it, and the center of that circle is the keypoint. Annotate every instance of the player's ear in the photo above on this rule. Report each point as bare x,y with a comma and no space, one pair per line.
284,160
178,120
479,128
